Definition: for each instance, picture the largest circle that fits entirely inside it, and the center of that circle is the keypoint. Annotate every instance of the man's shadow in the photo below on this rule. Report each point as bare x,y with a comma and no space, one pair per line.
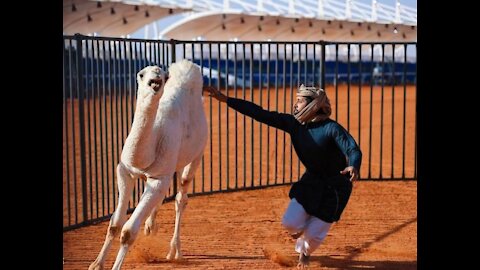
331,262
349,262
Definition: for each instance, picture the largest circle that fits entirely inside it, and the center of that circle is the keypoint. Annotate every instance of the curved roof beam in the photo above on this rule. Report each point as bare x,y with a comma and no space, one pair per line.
216,25
109,18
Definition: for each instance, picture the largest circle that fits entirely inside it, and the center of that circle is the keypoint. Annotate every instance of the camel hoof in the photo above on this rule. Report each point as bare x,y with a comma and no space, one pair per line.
95,266
149,227
170,256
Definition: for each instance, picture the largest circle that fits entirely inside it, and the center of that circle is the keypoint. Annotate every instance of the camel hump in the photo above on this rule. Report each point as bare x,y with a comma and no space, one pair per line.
186,73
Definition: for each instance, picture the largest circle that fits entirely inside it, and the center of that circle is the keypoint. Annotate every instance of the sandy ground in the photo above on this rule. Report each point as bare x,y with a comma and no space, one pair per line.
242,230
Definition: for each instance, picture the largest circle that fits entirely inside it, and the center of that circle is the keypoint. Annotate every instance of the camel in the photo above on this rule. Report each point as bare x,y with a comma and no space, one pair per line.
169,133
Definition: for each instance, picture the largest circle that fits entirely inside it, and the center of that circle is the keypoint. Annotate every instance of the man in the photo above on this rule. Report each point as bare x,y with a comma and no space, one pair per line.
330,155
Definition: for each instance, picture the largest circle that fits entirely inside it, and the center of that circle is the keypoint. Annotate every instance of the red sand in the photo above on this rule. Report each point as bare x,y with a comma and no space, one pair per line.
233,230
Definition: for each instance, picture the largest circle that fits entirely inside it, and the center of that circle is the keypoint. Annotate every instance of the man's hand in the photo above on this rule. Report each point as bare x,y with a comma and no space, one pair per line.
213,92
353,173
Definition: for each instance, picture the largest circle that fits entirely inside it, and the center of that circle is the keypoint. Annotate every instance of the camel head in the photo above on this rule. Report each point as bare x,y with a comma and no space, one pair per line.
151,79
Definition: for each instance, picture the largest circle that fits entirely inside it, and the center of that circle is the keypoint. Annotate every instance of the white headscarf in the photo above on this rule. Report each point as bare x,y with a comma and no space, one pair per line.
310,113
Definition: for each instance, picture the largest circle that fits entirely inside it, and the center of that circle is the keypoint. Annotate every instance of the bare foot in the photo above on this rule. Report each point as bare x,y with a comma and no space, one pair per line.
303,261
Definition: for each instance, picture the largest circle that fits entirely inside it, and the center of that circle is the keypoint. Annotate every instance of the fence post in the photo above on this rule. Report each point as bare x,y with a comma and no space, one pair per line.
322,65
81,119
173,57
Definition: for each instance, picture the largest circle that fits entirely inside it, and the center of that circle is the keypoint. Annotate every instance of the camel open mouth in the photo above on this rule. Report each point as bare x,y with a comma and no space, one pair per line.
155,84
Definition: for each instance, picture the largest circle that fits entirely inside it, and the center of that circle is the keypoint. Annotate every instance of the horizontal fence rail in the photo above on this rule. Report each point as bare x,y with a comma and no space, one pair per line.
371,86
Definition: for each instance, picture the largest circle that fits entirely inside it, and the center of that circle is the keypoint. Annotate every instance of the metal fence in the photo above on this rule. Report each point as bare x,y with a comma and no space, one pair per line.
372,87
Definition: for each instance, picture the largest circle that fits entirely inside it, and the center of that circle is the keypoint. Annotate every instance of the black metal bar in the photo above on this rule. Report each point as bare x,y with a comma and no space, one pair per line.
129,111
219,72
171,56
116,90
251,119
298,84
371,116
95,97
393,108
305,74
416,107
123,97
72,109
157,55
103,126
65,120
142,62
291,109
244,122
360,86
113,93
404,107
211,108
236,114
336,82
201,66
381,112
260,125
184,48
323,65
284,106
228,119
133,96
348,87
131,87
88,126
276,109
144,59
81,116
313,68
268,108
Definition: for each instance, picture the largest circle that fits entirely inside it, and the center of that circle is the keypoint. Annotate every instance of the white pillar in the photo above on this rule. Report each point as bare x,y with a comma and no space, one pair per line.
259,6
348,9
189,3
291,7
320,9
226,4
398,19
374,10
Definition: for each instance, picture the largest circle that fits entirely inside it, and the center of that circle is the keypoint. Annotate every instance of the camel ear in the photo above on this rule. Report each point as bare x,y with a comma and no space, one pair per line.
167,75
140,74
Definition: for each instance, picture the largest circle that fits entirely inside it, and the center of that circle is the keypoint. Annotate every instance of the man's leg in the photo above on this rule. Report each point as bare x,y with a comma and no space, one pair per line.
314,234
295,218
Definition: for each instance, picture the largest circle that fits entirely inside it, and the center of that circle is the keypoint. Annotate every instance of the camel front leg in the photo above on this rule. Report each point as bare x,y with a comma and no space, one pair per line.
150,224
152,196
181,200
125,187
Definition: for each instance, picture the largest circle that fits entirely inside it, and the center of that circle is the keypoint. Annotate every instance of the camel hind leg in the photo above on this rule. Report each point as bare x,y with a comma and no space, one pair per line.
125,182
181,200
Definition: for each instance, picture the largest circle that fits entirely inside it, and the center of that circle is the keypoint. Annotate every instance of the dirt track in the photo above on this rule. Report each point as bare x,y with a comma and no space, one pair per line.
232,230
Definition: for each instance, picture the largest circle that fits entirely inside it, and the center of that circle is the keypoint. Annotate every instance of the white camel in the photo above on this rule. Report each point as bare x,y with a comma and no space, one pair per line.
168,135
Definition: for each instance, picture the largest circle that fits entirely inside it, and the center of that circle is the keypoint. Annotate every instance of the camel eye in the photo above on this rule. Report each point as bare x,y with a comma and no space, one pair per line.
141,76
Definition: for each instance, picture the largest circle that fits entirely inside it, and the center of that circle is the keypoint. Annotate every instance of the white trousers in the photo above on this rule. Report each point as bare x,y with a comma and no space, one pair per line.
315,230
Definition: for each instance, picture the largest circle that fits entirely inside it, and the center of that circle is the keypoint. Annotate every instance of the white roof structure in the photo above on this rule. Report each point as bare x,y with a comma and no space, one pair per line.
112,18
245,20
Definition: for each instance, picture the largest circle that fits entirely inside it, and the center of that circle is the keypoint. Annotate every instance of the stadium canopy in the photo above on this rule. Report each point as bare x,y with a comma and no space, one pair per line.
246,20
112,18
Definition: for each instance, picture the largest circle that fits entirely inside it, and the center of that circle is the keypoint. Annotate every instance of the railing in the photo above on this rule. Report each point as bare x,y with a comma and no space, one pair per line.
375,99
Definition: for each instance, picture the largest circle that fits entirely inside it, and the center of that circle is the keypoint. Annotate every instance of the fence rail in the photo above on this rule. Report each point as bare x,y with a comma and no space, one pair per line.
372,90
